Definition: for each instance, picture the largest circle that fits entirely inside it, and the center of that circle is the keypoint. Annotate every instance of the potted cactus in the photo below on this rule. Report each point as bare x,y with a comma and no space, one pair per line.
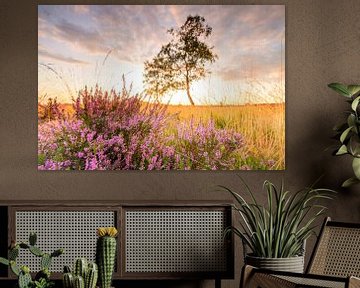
84,275
106,254
42,278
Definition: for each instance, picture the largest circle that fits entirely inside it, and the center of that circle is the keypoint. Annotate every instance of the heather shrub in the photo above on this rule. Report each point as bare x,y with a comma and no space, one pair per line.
50,111
109,131
120,131
203,146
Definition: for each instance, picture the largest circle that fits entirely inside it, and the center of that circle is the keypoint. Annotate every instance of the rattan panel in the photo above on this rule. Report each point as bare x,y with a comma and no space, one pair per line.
175,241
312,282
75,231
338,253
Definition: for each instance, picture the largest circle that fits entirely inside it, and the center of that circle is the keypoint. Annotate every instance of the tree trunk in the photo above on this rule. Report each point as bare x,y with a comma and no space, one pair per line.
188,92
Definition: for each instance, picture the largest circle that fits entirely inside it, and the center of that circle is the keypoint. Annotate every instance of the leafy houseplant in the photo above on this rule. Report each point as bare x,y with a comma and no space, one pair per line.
279,229
42,278
349,132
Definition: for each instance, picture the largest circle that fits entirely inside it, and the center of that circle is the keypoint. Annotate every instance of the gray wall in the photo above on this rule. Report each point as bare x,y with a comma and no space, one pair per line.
322,46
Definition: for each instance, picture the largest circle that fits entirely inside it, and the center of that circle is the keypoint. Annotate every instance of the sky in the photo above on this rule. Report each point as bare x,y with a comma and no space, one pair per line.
87,45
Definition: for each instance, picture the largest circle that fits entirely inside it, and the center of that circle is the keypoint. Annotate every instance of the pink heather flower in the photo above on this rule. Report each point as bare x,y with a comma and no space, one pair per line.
91,164
80,154
90,136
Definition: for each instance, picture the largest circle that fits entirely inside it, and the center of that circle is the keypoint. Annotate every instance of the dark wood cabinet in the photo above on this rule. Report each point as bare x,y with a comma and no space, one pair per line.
157,240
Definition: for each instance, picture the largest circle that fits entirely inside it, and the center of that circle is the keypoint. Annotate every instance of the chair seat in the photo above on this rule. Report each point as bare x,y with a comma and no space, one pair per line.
314,282
268,279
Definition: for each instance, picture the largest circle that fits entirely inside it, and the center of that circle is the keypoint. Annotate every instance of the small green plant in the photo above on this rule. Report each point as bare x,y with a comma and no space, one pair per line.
105,254
349,132
85,275
42,278
43,283
279,229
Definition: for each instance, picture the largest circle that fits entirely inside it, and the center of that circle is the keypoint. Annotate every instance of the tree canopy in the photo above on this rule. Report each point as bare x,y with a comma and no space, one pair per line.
182,61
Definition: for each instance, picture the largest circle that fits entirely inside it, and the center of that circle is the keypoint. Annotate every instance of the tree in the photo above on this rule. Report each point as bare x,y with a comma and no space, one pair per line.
182,61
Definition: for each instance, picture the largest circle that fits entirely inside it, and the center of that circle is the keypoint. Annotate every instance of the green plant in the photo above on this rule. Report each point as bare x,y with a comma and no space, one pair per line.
81,267
105,254
349,132
43,283
279,229
85,275
42,278
79,282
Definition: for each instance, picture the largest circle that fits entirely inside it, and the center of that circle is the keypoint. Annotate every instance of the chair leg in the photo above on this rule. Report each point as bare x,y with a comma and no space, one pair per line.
246,274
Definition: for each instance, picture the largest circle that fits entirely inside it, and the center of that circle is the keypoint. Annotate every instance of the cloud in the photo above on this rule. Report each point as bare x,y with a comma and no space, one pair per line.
251,68
79,37
231,74
245,37
58,57
57,26
81,9
136,31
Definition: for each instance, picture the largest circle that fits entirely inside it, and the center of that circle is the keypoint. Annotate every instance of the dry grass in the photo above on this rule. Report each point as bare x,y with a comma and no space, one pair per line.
262,125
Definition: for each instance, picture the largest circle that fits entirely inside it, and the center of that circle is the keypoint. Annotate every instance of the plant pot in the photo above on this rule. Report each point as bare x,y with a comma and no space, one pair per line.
291,264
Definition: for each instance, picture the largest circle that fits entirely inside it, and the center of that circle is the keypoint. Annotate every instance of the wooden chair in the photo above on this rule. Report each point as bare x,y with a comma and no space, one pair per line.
335,262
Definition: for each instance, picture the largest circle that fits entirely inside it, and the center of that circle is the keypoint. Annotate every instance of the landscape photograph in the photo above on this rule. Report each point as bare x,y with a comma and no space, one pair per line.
161,87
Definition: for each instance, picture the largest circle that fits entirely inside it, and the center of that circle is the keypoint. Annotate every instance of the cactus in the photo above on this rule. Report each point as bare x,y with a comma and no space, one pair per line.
25,269
79,282
13,253
14,268
44,273
80,268
24,245
24,278
45,261
57,252
36,251
91,276
68,280
67,269
32,238
105,254
88,273
4,261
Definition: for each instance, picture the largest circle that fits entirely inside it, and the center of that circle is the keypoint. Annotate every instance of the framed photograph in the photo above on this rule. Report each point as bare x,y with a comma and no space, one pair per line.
161,87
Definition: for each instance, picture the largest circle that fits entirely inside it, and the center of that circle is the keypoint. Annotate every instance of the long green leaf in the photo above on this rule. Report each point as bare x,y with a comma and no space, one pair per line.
350,181
340,88
353,89
344,134
355,103
4,261
356,167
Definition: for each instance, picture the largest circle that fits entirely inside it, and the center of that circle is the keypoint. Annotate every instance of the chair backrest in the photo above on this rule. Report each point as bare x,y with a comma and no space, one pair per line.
337,251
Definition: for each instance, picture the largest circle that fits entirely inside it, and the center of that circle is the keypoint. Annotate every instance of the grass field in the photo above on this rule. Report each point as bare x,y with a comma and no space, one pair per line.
262,125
